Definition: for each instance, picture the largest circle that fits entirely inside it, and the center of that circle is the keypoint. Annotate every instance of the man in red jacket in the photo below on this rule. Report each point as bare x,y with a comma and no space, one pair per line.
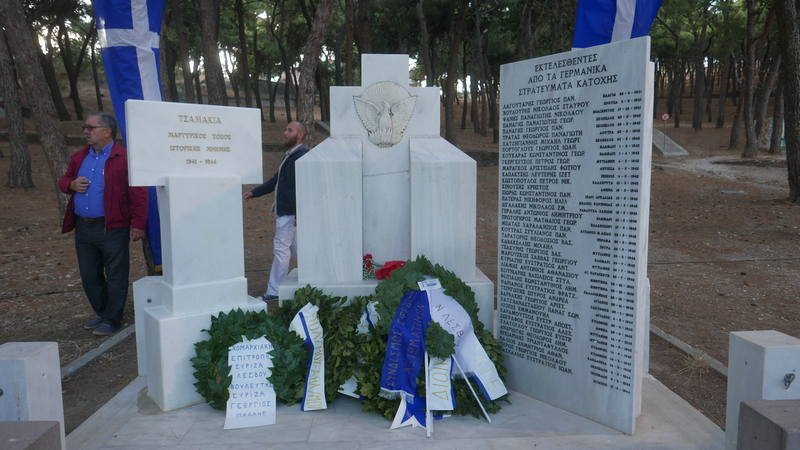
106,214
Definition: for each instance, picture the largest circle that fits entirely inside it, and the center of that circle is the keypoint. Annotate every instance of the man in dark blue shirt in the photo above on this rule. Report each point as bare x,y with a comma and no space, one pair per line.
284,207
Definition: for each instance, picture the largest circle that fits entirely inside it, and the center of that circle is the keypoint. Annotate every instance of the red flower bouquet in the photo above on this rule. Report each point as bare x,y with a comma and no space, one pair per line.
387,269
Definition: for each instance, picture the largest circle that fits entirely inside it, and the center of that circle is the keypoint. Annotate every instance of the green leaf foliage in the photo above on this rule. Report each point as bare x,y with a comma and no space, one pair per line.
339,320
347,353
211,356
438,343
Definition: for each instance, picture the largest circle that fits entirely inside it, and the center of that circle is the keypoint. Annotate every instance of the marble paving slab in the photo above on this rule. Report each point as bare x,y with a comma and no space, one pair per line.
131,421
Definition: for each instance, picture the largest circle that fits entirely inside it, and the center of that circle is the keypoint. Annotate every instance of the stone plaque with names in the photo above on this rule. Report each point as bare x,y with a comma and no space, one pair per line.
192,140
574,198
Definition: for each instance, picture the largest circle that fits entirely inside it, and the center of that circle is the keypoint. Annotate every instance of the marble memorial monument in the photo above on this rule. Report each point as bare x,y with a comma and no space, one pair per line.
199,156
385,183
574,173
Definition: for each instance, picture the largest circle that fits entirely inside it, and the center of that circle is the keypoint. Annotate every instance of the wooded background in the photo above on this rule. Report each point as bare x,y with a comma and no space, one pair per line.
736,59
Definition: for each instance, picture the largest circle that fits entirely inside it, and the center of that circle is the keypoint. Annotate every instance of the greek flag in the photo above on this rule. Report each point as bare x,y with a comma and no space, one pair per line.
128,32
602,21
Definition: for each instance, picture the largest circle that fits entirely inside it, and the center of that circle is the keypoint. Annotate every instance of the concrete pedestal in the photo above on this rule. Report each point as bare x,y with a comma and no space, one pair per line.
769,425
759,365
30,379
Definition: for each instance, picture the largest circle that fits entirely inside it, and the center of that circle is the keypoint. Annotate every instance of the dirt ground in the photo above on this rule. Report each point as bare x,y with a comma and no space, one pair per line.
723,256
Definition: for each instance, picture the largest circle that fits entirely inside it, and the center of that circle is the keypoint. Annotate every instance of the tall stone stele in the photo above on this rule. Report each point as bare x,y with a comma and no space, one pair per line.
198,156
385,183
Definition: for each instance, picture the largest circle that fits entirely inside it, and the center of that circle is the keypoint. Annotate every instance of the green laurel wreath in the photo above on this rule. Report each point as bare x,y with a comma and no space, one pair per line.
211,361
438,342
347,353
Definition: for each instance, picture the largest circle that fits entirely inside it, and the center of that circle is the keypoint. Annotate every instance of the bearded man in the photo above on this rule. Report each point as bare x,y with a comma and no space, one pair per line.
284,207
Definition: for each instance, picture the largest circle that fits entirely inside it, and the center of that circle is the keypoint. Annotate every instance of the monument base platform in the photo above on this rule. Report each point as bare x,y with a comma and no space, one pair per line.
165,342
131,420
480,284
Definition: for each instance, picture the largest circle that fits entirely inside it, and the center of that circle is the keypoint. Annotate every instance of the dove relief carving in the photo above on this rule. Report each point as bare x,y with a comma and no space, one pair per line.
385,108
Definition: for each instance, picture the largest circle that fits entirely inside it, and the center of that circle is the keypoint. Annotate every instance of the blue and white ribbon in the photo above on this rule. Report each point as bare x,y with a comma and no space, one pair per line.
306,325
405,349
409,415
451,316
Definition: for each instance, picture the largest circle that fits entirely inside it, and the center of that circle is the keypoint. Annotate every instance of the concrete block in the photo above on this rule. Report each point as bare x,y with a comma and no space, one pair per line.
769,425
35,435
760,364
30,379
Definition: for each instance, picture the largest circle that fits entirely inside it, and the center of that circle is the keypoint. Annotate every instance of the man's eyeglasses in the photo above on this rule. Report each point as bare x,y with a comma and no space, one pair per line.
92,127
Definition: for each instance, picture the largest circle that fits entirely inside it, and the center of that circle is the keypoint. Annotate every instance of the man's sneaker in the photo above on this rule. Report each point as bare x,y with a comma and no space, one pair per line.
268,298
92,324
104,329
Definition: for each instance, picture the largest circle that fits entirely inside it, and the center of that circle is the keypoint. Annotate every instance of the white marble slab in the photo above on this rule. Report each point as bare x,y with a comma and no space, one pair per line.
668,423
169,349
387,218
443,195
201,241
574,207
329,212
168,139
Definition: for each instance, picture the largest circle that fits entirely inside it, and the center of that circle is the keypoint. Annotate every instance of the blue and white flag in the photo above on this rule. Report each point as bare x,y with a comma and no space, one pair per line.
128,32
602,21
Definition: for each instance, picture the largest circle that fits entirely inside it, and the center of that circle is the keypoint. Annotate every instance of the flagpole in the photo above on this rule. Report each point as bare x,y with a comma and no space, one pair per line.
428,415
474,394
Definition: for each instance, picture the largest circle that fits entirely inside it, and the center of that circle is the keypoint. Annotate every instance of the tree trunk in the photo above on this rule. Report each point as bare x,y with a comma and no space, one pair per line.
699,91
54,92
244,65
308,66
525,42
479,73
273,95
761,102
465,104
198,88
25,50
750,145
98,96
737,120
73,69
789,26
458,20
183,50
425,44
215,81
674,94
494,117
258,63
709,89
170,57
777,122
347,46
364,30
233,77
19,171
321,87
723,91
